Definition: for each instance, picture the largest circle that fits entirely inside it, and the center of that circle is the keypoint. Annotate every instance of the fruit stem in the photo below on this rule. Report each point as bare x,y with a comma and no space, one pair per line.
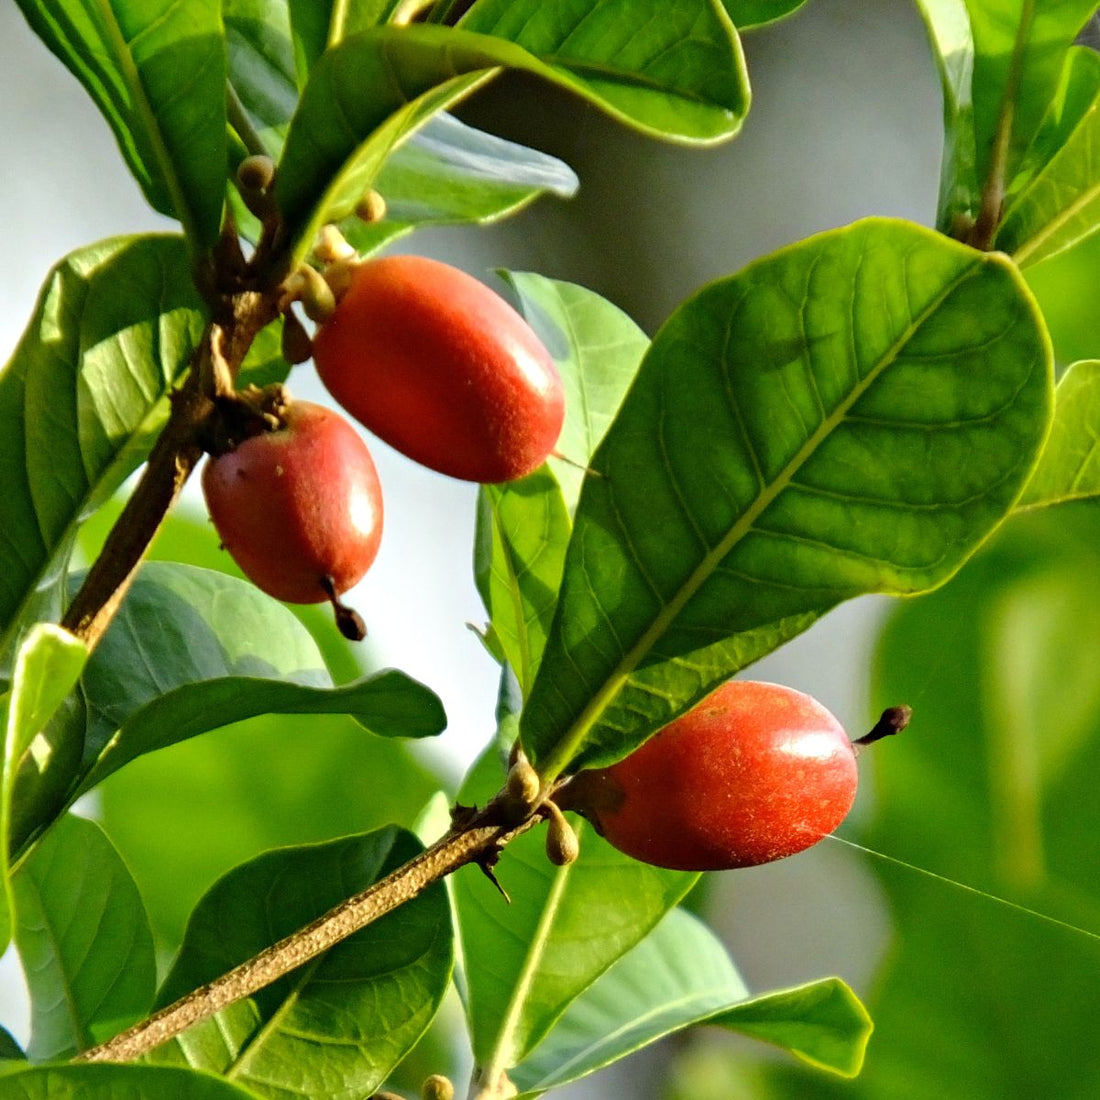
892,720
348,621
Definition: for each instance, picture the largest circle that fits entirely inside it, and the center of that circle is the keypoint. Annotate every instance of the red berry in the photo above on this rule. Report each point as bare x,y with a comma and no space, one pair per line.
300,508
754,773
443,369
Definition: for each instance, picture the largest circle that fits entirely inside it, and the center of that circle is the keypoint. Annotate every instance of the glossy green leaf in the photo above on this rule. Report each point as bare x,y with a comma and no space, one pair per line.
104,1081
852,414
754,13
1069,467
81,401
84,941
597,349
191,650
1060,205
374,89
672,68
338,1024
948,25
526,960
320,24
157,71
46,668
680,976
522,532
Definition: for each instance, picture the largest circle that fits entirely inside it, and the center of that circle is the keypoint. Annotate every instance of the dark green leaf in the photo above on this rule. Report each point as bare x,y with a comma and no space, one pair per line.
157,71
261,66
369,93
82,399
339,1024
103,1081
523,529
852,414
47,665
192,650
527,960
597,349
83,939
680,975
10,1050
1069,467
1060,205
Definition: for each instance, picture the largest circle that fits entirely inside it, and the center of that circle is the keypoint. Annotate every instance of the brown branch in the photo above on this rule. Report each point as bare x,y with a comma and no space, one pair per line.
478,841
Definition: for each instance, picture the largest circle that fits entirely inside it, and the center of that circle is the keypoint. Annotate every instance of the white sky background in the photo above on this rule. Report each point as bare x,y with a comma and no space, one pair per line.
845,123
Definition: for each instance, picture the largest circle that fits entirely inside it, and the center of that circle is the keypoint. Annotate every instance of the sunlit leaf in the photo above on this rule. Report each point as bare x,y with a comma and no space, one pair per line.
157,71
526,960
852,414
81,401
336,1025
103,1081
753,13
83,940
1069,468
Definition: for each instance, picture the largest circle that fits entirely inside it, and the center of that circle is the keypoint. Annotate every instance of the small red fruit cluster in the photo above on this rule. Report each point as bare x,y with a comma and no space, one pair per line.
754,773
428,359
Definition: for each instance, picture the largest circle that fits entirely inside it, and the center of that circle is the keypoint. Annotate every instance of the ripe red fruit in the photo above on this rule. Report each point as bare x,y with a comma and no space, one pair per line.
300,508
441,368
754,773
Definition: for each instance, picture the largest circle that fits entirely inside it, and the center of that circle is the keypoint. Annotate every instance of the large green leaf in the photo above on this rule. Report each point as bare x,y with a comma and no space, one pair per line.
375,88
191,650
157,71
1060,205
680,975
852,414
261,67
526,960
81,401
103,1081
1069,468
754,13
522,532
337,1025
597,349
48,664
83,939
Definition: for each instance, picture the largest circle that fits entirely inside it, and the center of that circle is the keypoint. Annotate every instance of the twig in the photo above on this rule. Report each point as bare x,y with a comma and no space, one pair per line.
476,842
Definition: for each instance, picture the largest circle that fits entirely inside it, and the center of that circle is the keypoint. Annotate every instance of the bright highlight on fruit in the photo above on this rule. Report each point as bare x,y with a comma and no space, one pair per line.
441,368
300,508
754,773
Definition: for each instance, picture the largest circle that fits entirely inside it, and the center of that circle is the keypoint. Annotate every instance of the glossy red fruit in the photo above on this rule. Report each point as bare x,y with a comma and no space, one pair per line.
754,773
300,508
443,369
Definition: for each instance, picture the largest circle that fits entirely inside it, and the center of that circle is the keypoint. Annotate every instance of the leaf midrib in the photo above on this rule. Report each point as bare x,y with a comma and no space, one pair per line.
570,744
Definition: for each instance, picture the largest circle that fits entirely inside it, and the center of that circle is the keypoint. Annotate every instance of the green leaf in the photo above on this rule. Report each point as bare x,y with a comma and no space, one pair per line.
374,89
948,25
671,68
754,13
338,1024
261,66
103,1081
852,414
597,349
82,399
1069,467
527,960
1000,63
523,529
10,1050
680,976
449,173
47,666
191,650
1060,205
157,71
83,939
319,24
